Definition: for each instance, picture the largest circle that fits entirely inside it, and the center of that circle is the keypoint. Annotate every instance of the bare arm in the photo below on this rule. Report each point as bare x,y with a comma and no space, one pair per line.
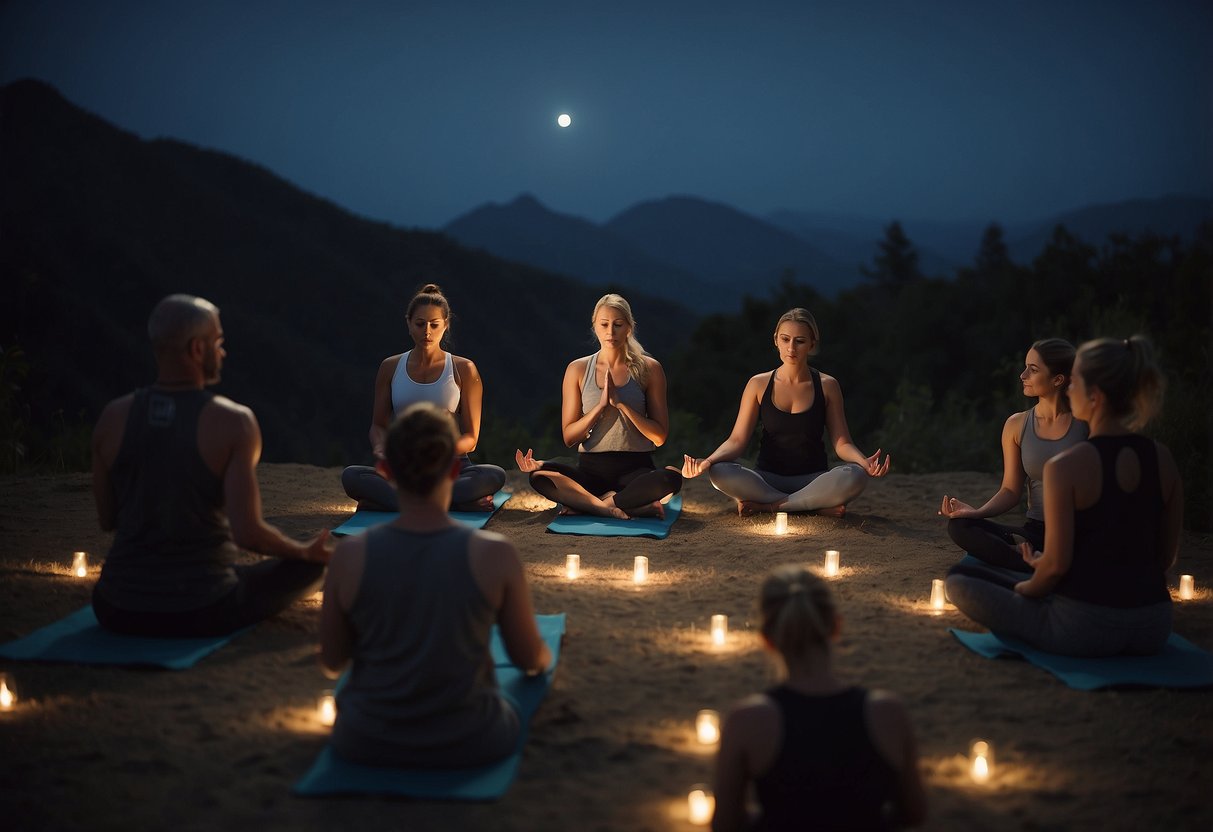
749,741
1061,476
890,728
381,411
499,574
655,425
1008,494
574,426
242,495
340,588
107,440
840,434
471,394
743,428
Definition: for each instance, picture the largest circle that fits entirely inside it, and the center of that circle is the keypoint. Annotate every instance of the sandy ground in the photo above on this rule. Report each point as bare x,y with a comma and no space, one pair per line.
612,748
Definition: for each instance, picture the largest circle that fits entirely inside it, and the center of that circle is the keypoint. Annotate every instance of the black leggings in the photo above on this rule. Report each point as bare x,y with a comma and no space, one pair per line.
992,542
265,589
630,474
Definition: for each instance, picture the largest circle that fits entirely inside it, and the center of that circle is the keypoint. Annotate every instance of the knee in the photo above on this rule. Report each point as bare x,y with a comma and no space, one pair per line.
854,481
350,478
720,472
673,480
496,475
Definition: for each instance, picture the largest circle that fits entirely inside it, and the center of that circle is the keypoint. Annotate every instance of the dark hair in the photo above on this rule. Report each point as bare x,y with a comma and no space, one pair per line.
420,447
1058,356
800,315
1125,370
177,319
429,295
798,611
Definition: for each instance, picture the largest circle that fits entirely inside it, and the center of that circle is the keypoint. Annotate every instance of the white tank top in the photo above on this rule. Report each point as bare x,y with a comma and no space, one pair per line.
444,392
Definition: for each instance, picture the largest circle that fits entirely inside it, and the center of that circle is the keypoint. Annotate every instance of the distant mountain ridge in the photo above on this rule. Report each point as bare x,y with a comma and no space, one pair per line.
96,225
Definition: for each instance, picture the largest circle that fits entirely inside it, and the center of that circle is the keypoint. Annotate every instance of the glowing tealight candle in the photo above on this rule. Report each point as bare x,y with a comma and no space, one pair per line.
640,569
707,727
701,805
80,564
781,522
326,708
572,566
939,596
831,563
1187,587
720,629
981,761
8,693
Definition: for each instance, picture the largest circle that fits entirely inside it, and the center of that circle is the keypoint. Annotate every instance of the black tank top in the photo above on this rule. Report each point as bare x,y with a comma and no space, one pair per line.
172,547
791,443
828,774
1117,562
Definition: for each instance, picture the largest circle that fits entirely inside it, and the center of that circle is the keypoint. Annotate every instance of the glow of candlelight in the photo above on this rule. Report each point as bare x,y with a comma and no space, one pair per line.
8,694
572,566
701,805
831,563
781,522
1187,587
939,597
720,629
80,564
981,757
707,727
640,569
326,709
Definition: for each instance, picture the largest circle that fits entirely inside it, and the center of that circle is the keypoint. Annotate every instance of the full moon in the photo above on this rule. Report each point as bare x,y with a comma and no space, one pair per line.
564,119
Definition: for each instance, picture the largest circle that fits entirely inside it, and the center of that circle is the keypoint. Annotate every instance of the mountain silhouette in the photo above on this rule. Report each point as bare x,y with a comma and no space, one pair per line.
97,224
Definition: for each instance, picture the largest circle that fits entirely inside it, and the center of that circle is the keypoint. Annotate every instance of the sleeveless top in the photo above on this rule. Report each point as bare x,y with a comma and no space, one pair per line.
1116,561
422,677
614,432
828,774
791,443
1034,452
172,548
444,392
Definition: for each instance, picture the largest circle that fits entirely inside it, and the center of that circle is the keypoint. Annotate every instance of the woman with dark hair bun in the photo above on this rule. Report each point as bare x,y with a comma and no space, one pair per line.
796,405
821,754
427,373
411,604
1113,515
1029,440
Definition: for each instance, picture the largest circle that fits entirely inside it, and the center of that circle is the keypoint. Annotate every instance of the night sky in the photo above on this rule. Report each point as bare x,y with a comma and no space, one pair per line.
415,112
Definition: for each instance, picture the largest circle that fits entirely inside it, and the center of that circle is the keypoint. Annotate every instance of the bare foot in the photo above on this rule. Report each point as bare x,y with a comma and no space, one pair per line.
653,509
832,511
612,510
747,507
565,511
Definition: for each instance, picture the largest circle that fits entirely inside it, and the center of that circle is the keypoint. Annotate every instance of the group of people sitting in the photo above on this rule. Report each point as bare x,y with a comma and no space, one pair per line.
409,606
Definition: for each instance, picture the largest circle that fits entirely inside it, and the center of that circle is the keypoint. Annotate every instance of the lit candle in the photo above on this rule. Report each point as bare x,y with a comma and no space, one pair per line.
701,804
80,564
8,693
572,566
326,708
831,562
640,569
707,727
720,629
781,522
1187,587
981,761
939,596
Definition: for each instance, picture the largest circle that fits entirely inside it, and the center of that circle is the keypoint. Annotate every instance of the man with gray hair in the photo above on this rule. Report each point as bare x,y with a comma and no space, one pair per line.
174,477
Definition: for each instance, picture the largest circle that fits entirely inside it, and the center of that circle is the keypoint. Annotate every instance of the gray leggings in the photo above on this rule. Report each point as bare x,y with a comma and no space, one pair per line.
1055,623
806,492
373,492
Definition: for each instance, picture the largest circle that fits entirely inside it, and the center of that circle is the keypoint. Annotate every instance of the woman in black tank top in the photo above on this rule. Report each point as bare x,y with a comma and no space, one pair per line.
1098,587
795,404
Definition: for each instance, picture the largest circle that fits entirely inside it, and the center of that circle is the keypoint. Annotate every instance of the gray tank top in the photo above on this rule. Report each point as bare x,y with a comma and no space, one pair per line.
172,548
422,679
1034,452
614,432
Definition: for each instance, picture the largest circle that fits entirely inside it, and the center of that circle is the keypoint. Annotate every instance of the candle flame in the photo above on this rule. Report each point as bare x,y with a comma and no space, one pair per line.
640,569
572,567
701,805
831,568
707,727
7,697
1187,587
328,710
720,629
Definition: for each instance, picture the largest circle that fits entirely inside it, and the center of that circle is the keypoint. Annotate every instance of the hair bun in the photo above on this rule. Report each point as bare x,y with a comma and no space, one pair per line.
430,289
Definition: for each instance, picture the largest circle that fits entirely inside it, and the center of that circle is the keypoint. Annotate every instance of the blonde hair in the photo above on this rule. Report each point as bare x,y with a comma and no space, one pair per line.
798,610
420,447
1127,373
633,352
800,315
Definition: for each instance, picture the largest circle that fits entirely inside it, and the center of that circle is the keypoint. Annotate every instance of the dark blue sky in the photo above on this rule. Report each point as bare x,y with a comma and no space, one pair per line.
414,112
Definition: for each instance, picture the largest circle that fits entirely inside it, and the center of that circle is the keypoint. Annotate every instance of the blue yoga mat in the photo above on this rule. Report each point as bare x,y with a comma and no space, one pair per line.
363,520
1181,664
330,775
588,524
79,639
